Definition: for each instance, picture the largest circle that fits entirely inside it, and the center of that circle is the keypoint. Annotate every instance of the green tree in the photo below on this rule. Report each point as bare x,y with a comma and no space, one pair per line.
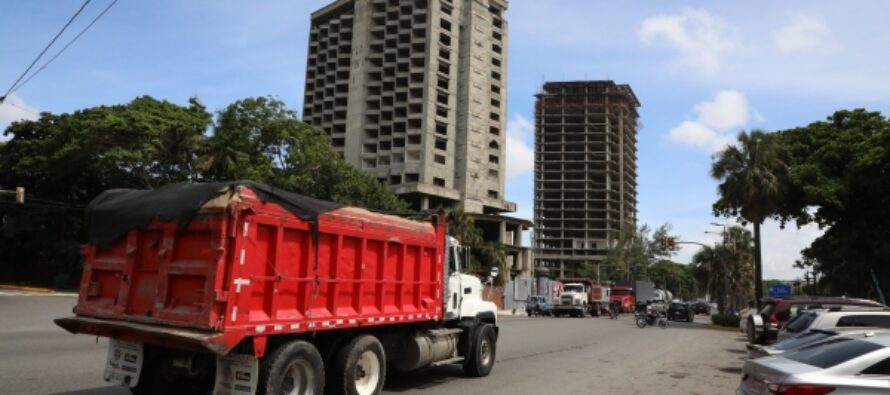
631,254
839,178
483,254
675,277
751,185
261,139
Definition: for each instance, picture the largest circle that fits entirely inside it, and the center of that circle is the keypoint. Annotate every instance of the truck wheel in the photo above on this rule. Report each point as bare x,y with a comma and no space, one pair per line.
294,368
483,350
360,367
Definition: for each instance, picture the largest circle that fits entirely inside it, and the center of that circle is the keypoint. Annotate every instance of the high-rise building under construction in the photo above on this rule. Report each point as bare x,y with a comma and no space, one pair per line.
585,171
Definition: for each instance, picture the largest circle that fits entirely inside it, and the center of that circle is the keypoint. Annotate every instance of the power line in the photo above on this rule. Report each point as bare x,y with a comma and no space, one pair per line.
2,98
66,46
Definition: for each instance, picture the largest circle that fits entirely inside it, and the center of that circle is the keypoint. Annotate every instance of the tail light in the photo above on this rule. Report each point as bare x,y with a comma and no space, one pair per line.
799,389
773,322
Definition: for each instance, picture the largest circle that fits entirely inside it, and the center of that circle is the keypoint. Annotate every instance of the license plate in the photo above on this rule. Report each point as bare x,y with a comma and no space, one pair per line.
124,363
236,374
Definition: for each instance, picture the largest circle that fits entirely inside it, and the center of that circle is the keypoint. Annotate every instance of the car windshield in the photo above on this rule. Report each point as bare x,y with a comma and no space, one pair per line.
800,322
802,340
832,352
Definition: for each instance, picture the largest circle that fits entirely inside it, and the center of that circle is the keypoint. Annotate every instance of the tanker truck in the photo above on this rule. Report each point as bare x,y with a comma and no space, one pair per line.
241,288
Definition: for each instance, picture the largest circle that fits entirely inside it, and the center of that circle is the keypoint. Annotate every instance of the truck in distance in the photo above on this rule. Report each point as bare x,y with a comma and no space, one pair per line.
580,297
241,288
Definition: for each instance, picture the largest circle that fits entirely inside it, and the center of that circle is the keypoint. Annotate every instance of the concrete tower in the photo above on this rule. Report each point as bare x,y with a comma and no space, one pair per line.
414,92
585,171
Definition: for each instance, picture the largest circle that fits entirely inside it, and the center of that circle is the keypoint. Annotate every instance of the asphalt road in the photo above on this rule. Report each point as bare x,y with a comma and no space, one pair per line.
534,356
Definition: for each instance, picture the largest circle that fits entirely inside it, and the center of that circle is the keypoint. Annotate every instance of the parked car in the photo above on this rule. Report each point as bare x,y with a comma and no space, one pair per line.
804,339
701,307
843,365
679,310
840,316
763,327
538,305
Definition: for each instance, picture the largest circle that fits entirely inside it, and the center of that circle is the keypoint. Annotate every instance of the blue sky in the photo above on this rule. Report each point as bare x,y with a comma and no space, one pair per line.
703,71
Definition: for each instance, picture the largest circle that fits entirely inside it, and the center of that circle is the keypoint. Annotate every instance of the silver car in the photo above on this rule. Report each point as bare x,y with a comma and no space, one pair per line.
807,338
857,364
840,316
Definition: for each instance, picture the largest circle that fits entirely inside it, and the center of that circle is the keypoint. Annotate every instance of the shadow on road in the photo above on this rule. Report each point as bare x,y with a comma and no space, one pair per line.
402,382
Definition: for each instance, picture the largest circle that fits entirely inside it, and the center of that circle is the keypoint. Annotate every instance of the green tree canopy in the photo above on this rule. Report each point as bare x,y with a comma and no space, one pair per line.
839,178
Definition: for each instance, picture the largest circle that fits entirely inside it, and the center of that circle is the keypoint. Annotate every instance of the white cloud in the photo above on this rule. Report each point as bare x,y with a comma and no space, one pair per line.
14,109
712,129
802,33
728,110
520,156
701,39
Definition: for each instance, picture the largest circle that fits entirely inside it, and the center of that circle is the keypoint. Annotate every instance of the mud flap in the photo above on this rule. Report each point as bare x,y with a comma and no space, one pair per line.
236,374
124,363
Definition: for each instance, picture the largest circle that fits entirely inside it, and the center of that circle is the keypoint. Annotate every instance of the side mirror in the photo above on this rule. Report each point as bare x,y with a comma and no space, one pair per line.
494,271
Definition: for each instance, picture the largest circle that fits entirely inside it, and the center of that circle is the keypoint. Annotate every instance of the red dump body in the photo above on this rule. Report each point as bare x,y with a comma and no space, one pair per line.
245,268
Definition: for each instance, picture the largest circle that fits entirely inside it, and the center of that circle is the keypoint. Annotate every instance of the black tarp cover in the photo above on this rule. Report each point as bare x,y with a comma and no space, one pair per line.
117,211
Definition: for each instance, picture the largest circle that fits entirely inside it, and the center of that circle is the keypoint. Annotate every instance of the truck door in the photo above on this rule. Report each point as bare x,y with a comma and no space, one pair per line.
453,281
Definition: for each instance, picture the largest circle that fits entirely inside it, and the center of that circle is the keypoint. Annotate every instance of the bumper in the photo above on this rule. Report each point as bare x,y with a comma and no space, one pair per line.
186,339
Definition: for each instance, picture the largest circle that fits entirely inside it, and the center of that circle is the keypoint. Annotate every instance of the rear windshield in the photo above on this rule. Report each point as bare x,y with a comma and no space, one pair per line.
800,322
767,309
802,340
832,352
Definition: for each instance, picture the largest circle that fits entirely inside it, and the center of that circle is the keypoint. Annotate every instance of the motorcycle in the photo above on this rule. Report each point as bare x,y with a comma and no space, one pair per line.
651,318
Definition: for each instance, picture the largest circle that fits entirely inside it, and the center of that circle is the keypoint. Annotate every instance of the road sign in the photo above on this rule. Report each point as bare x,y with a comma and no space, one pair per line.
779,291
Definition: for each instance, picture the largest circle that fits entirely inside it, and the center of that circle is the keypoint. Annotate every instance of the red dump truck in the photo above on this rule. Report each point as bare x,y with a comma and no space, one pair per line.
241,288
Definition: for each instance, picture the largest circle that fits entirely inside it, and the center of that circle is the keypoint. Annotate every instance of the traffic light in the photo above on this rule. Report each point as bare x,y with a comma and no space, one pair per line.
20,195
668,242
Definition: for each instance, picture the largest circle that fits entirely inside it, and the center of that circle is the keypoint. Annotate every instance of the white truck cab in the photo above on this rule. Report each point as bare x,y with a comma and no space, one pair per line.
463,297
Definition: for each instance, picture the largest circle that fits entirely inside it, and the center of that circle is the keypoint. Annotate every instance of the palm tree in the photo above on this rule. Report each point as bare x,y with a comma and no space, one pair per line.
709,267
750,176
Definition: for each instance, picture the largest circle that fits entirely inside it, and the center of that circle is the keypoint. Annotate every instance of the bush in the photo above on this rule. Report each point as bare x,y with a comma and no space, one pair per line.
731,320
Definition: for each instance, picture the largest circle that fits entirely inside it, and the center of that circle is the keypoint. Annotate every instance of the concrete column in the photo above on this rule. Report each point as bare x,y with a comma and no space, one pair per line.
424,203
503,232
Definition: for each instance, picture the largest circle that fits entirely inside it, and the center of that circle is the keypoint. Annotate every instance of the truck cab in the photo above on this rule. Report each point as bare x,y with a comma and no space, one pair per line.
573,300
463,295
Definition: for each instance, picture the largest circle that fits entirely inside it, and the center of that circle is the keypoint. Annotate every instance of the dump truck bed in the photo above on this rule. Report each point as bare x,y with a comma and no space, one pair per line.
245,266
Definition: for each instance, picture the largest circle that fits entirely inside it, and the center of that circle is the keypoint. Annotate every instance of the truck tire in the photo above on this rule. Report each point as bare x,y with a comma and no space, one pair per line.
360,367
294,367
482,353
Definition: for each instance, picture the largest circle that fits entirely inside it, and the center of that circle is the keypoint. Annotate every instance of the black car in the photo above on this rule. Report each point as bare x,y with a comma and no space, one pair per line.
680,311
701,307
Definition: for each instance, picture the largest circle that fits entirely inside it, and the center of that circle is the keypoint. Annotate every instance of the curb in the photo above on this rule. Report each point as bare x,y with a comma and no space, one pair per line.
25,288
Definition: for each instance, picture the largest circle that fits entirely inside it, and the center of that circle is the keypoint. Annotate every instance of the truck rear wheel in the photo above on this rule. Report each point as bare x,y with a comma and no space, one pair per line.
360,367
483,350
293,368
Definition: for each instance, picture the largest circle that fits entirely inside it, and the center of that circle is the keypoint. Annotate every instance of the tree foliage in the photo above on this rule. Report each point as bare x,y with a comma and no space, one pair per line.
631,254
65,160
726,271
752,178
839,178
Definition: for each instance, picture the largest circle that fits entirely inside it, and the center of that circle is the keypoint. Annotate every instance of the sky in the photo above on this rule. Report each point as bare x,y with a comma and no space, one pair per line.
702,70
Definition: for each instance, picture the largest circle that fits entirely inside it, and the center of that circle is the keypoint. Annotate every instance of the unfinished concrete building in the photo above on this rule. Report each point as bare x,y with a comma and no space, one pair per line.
585,171
414,91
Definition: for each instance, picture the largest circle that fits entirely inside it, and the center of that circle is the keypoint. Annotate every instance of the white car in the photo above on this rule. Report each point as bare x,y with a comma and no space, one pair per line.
835,317
844,365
